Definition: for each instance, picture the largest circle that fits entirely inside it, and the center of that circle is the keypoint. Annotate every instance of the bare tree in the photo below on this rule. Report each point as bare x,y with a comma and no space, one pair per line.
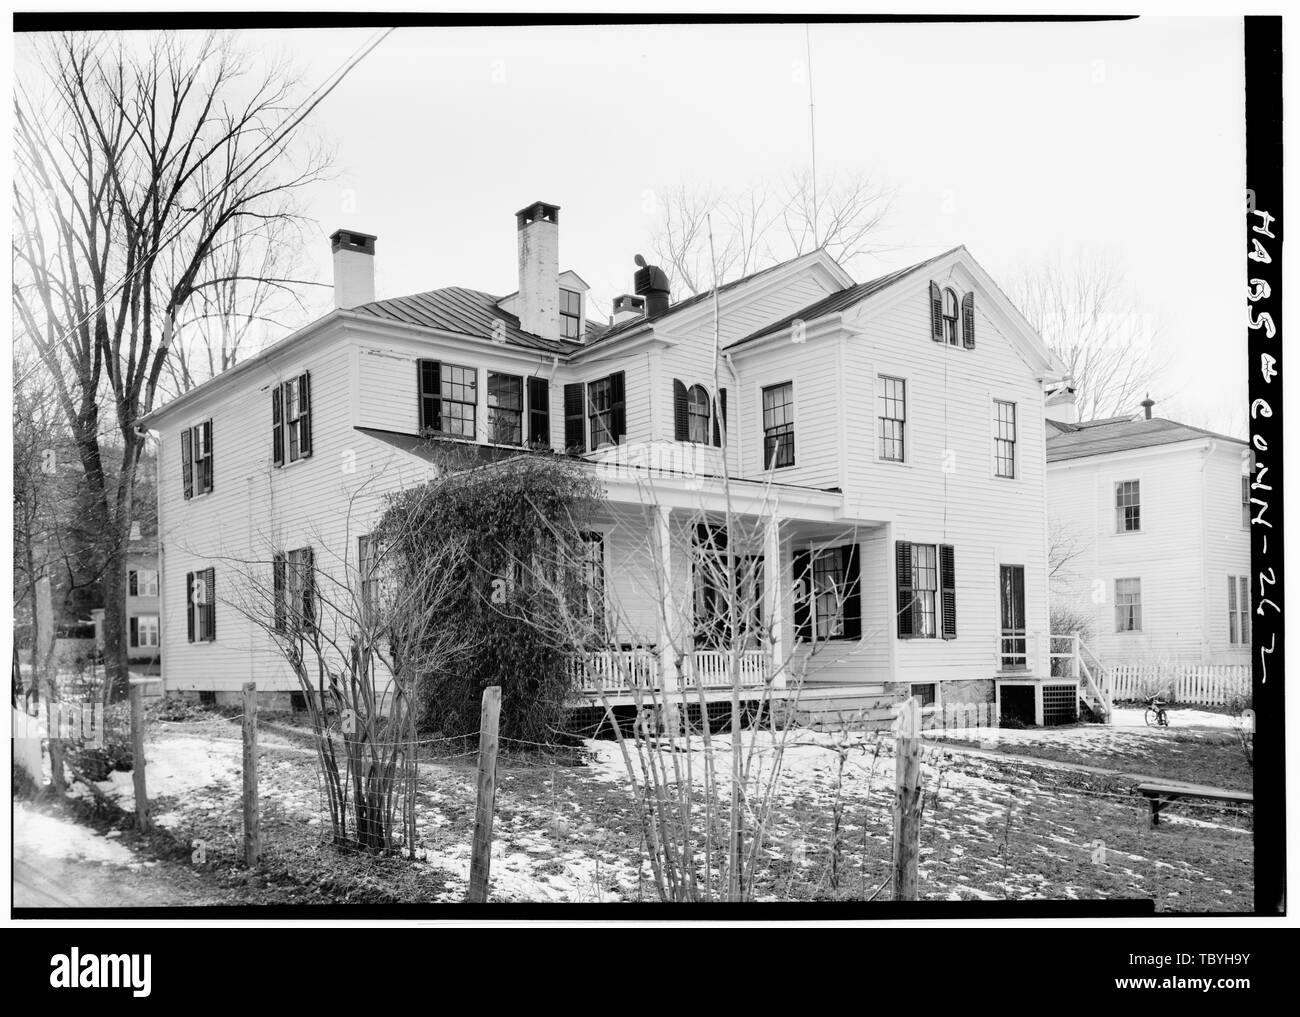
1084,311
765,224
133,165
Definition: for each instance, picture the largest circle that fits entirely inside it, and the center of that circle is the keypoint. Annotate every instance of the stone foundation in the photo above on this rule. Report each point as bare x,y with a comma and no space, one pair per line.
951,693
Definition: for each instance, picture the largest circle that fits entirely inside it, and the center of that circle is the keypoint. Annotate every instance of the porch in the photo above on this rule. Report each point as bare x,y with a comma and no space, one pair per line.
629,672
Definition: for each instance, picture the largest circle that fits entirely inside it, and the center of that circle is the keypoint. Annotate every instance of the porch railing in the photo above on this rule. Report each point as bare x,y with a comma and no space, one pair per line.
624,670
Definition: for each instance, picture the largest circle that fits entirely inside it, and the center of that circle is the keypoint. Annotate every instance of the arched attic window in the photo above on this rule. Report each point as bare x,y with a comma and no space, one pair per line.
697,414
950,316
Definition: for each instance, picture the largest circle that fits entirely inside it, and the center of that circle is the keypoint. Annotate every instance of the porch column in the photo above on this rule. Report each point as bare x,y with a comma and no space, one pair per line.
670,629
774,602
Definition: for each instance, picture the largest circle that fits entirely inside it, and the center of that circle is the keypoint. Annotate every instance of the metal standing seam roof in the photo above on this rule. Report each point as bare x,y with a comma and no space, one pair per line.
839,301
1123,434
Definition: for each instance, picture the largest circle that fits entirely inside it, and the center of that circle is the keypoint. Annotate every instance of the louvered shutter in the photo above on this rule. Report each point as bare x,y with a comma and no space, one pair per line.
308,588
903,581
208,457
187,461
429,382
948,590
210,608
618,406
135,631
133,583
575,425
968,320
539,412
304,414
803,595
277,425
681,415
1245,610
189,605
277,583
936,312
852,592
720,417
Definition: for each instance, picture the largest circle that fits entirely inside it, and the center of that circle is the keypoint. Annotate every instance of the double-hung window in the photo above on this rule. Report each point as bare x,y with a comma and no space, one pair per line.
1128,506
926,580
1128,605
201,605
891,397
1245,501
600,412
294,575
1004,439
1239,610
448,399
778,425
144,631
196,459
828,599
697,414
291,420
142,582
505,409
570,314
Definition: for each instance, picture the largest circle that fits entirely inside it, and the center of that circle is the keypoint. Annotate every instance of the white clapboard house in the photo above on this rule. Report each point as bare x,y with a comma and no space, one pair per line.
886,438
1150,528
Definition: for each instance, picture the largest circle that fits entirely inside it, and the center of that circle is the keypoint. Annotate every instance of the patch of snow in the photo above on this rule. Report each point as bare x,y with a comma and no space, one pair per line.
51,837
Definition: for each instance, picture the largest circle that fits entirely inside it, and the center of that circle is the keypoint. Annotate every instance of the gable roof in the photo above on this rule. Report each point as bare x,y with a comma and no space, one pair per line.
468,312
1121,434
839,301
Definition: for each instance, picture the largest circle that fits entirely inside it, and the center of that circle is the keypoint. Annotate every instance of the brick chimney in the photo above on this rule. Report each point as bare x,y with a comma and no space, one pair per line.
539,269
626,308
354,267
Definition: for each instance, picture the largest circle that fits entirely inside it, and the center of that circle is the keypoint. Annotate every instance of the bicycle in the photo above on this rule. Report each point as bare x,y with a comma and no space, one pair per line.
1154,714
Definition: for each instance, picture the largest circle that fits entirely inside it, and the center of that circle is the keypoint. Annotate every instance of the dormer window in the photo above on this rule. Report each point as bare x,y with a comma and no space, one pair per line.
570,314
950,317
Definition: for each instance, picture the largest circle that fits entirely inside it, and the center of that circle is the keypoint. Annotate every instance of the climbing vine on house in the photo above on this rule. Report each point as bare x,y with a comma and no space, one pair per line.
522,522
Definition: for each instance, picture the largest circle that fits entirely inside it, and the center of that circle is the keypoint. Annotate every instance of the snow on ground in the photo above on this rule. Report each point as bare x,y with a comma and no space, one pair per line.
178,767
50,837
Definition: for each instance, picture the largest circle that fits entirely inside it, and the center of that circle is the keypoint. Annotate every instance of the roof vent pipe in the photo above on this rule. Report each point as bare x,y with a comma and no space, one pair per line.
1147,404
651,282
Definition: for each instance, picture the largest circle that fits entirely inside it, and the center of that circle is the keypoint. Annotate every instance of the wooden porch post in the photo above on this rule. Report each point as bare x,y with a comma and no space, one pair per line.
773,603
668,617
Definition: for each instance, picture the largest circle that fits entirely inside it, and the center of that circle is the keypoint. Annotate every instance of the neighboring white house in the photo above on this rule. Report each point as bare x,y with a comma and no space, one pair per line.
888,437
1150,530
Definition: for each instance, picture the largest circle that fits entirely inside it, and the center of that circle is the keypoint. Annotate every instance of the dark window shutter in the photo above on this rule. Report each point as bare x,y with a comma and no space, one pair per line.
187,461
539,412
277,424
720,417
210,608
189,605
208,457
968,320
948,590
135,631
852,592
618,406
133,583
429,380
304,414
309,588
277,582
575,424
681,418
903,581
803,595
936,312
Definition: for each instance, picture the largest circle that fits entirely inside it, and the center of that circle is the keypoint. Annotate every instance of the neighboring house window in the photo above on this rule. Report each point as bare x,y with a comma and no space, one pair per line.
294,575
291,420
1128,507
1239,610
506,409
1004,440
201,605
926,579
828,599
570,314
144,631
892,399
142,582
1128,605
196,459
1245,501
697,414
778,425
950,317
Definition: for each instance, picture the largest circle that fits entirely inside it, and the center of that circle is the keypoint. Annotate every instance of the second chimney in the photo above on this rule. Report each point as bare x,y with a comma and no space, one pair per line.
354,267
539,269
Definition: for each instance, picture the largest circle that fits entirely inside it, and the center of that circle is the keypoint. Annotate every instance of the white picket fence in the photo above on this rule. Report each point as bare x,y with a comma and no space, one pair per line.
1200,684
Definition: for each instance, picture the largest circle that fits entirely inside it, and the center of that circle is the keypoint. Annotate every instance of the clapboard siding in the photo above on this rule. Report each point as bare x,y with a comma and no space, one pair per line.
1190,540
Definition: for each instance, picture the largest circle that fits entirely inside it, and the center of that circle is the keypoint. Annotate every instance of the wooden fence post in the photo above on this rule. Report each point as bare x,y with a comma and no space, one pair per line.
907,800
137,755
252,816
481,857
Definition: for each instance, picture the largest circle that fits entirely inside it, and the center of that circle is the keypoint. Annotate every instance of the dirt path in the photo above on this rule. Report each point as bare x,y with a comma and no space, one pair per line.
41,882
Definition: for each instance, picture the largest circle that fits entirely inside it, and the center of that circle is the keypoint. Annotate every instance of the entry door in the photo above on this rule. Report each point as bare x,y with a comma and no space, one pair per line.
1011,584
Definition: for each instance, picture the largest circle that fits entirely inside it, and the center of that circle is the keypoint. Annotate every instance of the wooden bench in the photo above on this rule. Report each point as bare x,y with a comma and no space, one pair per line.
1160,795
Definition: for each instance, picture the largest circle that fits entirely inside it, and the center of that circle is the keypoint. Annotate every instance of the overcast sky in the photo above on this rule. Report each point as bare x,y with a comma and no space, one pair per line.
1019,141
